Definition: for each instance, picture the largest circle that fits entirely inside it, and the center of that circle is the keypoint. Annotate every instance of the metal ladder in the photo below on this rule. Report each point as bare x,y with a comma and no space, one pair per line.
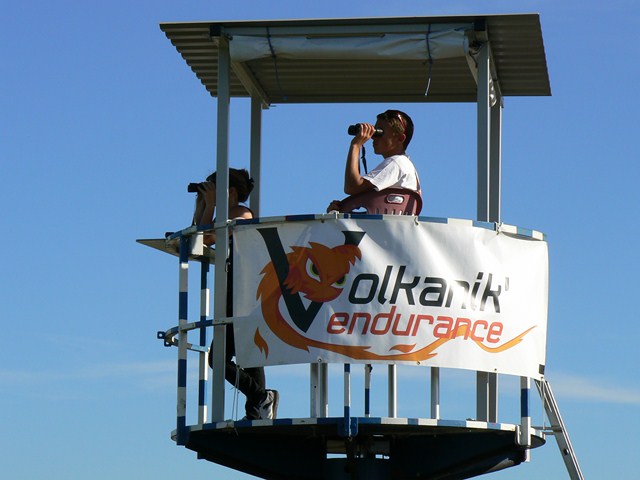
558,429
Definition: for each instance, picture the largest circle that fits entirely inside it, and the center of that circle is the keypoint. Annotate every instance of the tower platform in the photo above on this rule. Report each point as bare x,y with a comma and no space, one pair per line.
372,448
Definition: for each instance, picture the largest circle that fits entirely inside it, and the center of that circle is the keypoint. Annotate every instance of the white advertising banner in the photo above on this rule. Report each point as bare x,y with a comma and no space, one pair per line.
395,290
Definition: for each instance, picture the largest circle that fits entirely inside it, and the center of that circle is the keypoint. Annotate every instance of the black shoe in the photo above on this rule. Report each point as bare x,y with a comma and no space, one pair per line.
268,408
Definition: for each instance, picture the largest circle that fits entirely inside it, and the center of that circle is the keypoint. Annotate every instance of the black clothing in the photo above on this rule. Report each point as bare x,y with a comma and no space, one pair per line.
250,381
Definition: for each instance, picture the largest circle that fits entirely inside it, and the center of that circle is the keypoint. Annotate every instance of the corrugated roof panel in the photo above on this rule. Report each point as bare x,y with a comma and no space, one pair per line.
516,44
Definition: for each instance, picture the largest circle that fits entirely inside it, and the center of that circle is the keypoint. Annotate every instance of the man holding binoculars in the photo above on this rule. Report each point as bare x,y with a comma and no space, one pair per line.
390,137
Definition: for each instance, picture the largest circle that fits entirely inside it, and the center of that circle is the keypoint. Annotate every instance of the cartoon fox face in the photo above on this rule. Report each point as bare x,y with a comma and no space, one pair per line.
319,272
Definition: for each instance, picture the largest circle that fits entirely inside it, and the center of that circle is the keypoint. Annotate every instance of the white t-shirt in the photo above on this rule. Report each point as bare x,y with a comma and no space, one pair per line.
396,171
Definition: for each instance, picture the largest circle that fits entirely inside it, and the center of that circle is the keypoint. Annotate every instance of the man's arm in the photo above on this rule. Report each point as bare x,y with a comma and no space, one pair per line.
354,183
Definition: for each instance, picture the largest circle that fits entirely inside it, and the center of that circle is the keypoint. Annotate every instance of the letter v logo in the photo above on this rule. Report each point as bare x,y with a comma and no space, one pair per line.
302,317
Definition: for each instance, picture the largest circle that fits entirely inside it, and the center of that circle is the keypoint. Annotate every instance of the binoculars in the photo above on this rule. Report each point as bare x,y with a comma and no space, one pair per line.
355,130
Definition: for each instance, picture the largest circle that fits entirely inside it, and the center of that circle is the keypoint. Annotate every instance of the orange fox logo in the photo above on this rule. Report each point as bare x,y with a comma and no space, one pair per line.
318,273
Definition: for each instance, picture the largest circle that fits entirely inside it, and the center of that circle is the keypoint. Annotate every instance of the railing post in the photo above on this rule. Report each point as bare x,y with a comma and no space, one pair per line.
393,392
367,390
324,390
525,416
318,403
313,390
183,293
435,393
347,401
203,368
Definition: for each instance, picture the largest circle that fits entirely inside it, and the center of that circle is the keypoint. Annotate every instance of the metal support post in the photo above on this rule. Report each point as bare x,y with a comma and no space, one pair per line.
314,394
183,303
488,169
222,238
255,153
318,405
324,390
495,160
484,134
525,417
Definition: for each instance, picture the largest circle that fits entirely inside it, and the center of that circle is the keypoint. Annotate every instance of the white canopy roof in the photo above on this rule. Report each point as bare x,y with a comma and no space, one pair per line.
310,61
396,46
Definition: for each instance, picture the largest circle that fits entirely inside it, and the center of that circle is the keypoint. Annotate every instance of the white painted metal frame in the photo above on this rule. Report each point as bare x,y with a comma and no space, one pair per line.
489,124
255,154
222,237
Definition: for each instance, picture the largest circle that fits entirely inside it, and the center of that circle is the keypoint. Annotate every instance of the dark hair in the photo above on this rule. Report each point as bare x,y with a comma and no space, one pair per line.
400,122
238,179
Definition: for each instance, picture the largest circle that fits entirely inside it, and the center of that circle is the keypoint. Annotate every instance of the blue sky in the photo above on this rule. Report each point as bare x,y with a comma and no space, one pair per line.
102,126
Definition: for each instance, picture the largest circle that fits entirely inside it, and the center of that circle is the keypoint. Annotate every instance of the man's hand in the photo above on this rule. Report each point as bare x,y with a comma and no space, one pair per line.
353,181
366,132
334,206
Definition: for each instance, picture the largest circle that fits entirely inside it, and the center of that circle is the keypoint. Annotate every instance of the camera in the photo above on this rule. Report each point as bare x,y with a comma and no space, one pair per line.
355,130
193,187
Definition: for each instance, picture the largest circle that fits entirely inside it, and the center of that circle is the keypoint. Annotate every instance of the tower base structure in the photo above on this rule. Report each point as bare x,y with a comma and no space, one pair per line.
377,448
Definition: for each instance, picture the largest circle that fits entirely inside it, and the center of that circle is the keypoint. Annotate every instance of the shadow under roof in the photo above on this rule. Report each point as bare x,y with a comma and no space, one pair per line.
517,49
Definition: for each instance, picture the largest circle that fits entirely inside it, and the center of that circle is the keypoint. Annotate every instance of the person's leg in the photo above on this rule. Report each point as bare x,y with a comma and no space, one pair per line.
251,381
252,384
261,403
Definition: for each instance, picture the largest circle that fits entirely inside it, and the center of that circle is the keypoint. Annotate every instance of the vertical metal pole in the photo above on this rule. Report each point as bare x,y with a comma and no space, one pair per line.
495,200
314,394
488,197
484,142
255,153
222,238
347,398
525,417
493,397
482,396
367,390
495,161
183,292
324,390
435,393
203,368
318,391
393,392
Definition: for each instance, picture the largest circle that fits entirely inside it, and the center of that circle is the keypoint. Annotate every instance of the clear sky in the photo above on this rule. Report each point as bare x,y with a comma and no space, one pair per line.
102,125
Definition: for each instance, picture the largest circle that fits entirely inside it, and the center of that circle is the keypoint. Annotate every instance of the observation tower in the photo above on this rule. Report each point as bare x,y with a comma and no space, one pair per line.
437,294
